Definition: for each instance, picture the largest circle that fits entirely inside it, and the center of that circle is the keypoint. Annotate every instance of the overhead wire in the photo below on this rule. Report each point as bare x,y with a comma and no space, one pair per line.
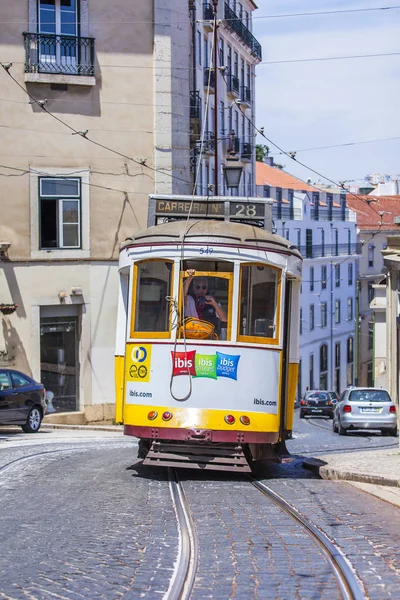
259,17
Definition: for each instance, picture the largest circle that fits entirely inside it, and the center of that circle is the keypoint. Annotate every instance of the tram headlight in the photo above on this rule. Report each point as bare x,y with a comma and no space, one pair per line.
230,419
153,414
245,420
167,416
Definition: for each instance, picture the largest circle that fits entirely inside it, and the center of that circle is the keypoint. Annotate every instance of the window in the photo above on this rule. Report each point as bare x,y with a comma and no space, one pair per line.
337,275
370,335
348,241
336,242
322,242
259,305
5,383
309,243
371,292
301,321
337,368
371,249
324,314
311,279
323,277
350,309
350,274
60,212
312,317
236,64
221,52
370,375
151,309
58,18
298,237
205,45
19,381
199,47
323,367
311,371
350,350
337,311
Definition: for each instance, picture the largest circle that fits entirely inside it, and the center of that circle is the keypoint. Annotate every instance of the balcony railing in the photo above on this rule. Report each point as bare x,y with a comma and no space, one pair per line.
208,146
235,24
285,212
246,94
195,105
315,251
233,84
209,78
59,54
208,12
334,214
247,151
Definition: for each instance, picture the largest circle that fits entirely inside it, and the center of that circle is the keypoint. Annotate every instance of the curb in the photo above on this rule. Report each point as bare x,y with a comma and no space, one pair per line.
112,428
323,470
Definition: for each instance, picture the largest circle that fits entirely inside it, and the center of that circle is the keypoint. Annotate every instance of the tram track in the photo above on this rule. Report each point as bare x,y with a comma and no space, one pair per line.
349,584
182,582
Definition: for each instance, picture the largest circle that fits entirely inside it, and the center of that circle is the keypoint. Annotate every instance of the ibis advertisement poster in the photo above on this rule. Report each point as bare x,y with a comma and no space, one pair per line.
221,377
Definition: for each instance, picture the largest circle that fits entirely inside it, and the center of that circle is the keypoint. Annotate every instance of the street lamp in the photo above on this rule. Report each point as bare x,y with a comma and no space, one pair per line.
232,172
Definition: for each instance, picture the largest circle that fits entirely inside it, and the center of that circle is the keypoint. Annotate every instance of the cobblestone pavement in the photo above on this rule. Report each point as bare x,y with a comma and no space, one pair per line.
249,548
80,525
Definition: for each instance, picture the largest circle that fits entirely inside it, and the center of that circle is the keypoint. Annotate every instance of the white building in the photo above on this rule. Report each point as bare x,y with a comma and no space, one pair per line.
322,226
375,222
226,101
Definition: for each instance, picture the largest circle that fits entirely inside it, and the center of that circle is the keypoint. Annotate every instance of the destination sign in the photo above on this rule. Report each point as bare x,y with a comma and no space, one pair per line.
237,210
182,207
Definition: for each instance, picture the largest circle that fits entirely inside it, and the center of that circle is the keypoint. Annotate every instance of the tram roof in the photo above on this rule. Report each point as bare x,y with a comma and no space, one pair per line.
222,232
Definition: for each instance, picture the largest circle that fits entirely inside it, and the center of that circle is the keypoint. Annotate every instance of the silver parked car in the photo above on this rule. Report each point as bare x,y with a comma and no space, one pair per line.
365,408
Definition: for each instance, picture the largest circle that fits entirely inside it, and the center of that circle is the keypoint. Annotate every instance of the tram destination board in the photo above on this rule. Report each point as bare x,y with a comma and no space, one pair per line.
212,209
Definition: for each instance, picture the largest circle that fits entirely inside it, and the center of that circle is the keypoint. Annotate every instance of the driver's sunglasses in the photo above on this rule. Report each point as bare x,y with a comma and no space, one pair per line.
201,287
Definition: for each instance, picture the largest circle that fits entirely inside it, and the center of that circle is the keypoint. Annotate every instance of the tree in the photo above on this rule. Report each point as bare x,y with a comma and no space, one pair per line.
262,151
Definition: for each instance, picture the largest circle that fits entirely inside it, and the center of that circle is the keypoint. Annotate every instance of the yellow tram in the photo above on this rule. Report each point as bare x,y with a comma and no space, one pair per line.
207,347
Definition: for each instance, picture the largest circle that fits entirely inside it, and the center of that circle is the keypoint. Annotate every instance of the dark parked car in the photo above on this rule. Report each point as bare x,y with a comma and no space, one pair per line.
22,400
319,403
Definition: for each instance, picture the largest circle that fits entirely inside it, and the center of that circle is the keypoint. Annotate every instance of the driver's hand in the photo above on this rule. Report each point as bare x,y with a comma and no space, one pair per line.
191,272
210,300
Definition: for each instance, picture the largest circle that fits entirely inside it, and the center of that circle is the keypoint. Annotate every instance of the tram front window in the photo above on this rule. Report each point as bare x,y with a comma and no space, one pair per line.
258,301
206,298
153,286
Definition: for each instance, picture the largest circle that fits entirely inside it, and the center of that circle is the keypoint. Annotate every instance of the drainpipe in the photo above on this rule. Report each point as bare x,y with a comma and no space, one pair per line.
357,340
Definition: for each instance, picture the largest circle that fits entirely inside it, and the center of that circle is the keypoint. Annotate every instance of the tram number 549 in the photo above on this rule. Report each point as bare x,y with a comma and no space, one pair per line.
206,250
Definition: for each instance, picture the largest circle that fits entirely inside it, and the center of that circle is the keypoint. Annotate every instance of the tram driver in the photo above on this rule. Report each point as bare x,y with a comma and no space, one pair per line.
199,303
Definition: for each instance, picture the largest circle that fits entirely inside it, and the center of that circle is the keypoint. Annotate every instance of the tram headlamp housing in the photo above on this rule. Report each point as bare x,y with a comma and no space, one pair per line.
153,414
167,416
244,420
230,419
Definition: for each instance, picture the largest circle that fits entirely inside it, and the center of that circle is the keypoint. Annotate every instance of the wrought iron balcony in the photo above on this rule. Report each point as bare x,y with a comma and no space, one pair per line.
208,12
209,78
233,84
195,105
235,24
208,146
247,151
334,214
59,54
246,94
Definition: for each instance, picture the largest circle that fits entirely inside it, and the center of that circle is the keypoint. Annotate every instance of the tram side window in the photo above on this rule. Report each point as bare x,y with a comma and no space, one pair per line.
258,302
153,286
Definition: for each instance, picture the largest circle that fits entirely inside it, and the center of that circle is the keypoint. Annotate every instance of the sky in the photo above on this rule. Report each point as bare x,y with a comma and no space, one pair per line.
304,105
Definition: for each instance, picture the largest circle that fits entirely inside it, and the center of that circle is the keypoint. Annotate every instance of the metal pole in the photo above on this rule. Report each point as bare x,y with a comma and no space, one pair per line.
357,344
215,6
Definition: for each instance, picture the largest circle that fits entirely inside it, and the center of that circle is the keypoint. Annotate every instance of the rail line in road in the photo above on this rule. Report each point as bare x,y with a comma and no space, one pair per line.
182,582
350,586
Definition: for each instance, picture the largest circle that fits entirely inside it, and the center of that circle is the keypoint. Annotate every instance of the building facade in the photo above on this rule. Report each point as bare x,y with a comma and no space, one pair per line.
223,100
96,115
323,227
375,222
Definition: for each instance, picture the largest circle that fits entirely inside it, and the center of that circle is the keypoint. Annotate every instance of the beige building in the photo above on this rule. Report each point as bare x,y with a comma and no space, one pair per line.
95,116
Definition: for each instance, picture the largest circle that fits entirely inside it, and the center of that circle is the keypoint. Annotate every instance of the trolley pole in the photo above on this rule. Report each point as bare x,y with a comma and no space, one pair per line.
215,6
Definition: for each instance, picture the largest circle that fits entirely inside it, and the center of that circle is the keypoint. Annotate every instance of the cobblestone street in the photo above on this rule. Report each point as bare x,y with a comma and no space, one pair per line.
82,523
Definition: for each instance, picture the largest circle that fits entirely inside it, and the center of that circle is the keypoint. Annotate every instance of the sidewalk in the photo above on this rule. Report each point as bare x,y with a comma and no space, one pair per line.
375,471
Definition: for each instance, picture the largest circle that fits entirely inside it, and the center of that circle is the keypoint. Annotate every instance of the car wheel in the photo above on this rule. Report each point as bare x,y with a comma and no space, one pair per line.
301,415
341,430
389,432
33,421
